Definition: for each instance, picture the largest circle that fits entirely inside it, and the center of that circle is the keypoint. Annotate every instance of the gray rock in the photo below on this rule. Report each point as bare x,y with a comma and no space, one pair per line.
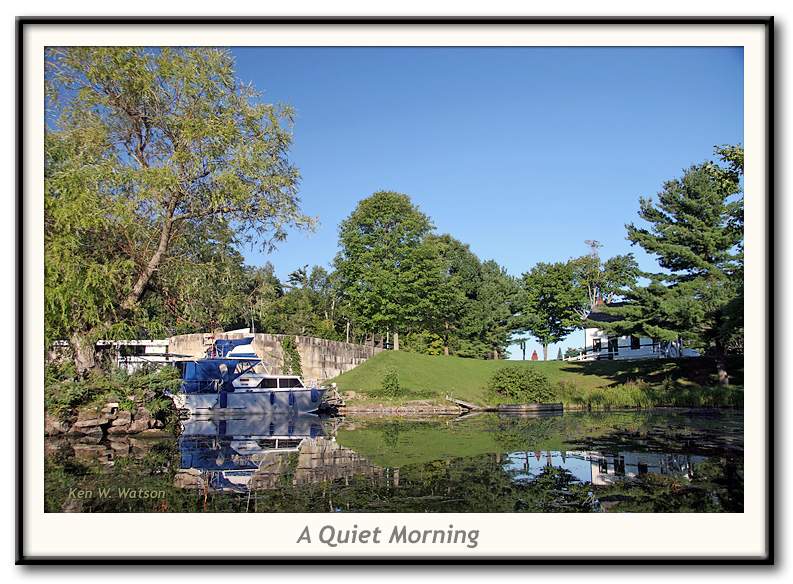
188,479
54,426
123,418
138,425
90,423
118,430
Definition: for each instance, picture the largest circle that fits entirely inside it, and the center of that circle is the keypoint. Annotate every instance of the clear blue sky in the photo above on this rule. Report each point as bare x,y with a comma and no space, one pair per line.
523,153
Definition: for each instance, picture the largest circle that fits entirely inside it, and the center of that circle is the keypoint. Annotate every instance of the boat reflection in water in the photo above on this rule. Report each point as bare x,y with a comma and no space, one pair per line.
260,452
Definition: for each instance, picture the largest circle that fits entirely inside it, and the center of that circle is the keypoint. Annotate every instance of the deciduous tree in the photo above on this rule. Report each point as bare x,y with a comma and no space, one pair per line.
157,142
550,303
382,263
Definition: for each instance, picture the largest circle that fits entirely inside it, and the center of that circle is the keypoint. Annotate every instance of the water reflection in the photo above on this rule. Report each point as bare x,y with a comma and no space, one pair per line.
225,455
627,461
597,468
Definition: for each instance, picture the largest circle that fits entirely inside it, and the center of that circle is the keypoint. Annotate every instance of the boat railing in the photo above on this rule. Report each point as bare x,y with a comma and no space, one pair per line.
202,385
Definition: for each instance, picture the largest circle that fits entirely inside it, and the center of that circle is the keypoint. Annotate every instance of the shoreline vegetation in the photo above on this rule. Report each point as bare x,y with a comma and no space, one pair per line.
403,384
424,382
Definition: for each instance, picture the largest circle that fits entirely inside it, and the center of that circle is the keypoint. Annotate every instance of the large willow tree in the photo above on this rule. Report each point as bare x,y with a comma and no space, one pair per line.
143,147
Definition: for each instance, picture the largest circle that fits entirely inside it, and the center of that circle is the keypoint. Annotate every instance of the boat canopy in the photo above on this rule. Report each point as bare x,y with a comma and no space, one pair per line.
213,374
232,347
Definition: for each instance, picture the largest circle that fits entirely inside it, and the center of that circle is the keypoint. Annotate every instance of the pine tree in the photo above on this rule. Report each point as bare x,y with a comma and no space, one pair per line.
696,233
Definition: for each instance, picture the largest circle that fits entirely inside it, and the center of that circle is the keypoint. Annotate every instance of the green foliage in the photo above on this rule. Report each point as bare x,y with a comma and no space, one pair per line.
643,395
292,362
434,377
551,303
394,275
695,230
158,163
145,388
490,319
390,385
381,262
598,281
521,385
423,342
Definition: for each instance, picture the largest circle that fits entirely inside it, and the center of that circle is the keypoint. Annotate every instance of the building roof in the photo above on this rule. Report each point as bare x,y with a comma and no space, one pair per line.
597,314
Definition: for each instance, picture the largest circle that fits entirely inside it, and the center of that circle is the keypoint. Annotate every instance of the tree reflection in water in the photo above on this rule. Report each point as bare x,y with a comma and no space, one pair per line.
614,462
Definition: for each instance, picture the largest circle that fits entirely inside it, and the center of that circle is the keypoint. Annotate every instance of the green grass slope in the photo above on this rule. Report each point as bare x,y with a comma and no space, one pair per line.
433,377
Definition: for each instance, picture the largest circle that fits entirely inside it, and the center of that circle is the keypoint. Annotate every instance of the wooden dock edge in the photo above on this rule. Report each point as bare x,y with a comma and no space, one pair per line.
533,407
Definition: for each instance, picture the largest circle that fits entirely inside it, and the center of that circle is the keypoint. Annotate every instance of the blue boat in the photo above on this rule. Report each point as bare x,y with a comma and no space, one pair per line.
232,379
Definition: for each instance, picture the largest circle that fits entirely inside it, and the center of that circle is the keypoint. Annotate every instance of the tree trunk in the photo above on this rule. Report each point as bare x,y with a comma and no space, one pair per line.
495,354
545,352
721,366
84,353
396,341
154,262
446,339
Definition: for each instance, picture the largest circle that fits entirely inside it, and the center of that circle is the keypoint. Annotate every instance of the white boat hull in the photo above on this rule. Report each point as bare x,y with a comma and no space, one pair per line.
293,401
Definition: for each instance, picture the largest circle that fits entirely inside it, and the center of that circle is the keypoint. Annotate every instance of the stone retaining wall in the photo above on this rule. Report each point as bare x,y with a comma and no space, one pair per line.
320,359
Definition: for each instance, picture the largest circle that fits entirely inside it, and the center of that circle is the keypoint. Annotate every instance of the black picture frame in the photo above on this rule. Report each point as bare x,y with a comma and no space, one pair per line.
21,558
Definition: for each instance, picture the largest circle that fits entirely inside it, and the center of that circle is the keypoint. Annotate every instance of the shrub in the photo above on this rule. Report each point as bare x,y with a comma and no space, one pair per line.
292,361
424,343
389,387
145,387
522,384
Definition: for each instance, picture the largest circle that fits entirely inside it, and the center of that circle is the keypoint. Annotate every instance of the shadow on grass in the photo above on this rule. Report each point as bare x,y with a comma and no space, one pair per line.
699,371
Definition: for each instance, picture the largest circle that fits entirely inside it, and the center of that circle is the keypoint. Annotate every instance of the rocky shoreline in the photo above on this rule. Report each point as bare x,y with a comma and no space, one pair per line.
103,421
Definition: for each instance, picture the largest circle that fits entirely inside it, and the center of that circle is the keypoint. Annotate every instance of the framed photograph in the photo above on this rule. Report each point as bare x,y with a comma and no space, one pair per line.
357,290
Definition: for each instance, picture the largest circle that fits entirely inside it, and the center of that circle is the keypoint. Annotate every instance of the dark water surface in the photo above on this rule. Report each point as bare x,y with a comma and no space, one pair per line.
650,461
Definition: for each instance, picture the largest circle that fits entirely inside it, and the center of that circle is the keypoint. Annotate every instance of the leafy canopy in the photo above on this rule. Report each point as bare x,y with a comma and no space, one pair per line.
151,153
383,265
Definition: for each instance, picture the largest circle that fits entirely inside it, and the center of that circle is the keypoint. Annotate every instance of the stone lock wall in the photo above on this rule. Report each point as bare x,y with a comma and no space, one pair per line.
321,359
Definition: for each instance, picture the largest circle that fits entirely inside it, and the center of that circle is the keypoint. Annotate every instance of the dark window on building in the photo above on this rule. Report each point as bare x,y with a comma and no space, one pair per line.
603,465
597,345
614,345
619,465
643,468
636,343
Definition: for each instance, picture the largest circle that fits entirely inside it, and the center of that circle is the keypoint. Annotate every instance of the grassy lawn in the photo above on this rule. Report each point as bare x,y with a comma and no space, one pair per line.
430,378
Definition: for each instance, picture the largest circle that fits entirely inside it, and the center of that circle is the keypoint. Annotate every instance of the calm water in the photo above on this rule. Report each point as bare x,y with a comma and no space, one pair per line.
657,461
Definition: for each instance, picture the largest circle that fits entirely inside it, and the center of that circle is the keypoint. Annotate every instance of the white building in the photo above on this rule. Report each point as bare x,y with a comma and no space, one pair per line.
598,344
